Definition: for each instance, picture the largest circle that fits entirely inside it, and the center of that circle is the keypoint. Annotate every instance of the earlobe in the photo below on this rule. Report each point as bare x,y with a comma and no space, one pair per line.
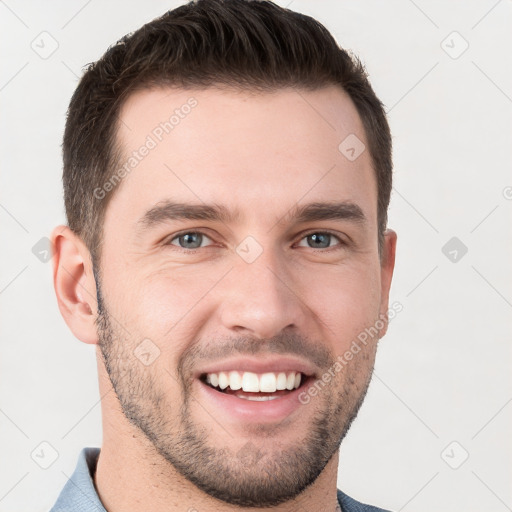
74,283
387,267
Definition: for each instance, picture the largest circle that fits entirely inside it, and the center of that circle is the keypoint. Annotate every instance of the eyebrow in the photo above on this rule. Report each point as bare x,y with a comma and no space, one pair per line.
167,210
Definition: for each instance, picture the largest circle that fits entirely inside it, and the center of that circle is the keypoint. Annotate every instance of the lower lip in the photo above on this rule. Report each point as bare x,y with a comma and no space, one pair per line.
250,410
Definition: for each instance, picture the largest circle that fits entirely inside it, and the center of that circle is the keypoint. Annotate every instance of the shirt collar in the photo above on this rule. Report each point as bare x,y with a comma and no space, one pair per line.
79,493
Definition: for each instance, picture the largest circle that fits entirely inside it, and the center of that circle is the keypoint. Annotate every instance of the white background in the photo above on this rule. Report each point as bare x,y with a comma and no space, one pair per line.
443,370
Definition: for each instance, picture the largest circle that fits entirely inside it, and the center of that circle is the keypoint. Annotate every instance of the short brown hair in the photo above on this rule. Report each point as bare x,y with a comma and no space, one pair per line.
243,44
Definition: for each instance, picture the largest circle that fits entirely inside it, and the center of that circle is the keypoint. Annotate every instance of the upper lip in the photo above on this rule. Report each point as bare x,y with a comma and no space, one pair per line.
259,365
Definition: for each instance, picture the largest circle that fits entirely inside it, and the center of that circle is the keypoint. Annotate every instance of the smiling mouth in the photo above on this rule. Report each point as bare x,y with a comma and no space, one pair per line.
253,386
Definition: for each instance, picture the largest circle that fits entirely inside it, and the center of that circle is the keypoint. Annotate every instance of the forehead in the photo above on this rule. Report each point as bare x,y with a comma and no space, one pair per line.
260,153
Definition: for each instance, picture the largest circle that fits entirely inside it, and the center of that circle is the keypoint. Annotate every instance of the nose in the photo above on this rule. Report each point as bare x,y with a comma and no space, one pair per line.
260,299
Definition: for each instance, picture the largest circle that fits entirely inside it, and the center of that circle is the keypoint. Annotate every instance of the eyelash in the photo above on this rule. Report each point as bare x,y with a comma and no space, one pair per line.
340,245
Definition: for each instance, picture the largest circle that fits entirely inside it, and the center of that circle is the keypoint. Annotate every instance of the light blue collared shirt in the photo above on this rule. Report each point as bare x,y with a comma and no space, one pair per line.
79,493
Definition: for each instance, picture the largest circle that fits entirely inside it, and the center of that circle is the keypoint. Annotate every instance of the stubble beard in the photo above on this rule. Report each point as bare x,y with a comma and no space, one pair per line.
251,475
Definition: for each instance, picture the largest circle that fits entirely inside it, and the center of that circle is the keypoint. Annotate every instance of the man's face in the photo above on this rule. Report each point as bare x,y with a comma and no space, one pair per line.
258,291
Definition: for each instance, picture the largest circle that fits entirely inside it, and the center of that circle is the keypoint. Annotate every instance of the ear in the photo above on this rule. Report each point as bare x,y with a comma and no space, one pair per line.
74,283
387,266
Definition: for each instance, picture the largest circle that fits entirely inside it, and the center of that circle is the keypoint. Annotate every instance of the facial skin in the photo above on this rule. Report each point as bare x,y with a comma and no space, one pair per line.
167,445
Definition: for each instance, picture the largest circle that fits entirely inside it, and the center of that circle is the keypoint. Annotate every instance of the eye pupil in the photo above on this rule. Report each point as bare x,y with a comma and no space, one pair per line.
189,239
321,238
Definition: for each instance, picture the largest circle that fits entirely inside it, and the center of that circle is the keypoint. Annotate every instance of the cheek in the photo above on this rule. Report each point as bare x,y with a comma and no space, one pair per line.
347,303
168,301
171,305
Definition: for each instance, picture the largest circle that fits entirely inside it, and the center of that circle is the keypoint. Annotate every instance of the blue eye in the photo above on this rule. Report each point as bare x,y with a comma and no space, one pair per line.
189,240
192,240
321,239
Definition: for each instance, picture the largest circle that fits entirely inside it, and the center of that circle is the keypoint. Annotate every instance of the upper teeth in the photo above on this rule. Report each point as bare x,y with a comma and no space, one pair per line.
248,381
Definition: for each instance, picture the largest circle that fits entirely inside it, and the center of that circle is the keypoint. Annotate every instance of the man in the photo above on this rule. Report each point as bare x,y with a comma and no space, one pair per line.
227,173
